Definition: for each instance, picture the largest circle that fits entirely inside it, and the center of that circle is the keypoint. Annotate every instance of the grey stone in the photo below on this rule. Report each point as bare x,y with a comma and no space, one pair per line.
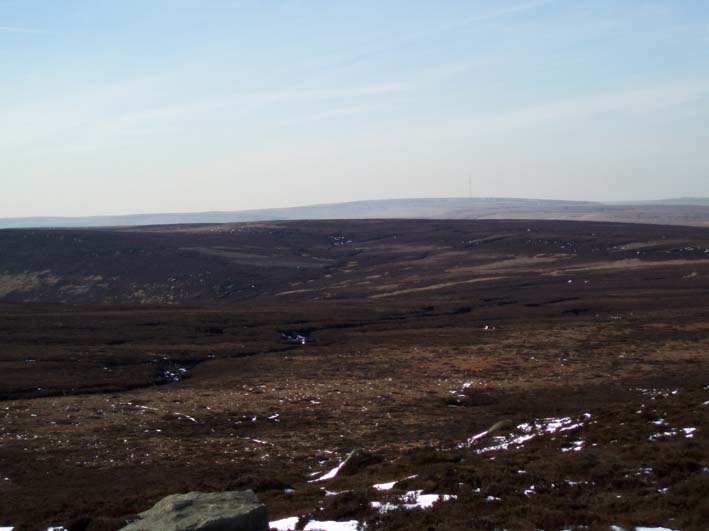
204,511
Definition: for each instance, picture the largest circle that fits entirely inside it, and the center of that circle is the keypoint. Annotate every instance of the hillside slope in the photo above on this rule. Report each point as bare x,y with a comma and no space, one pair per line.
320,260
692,211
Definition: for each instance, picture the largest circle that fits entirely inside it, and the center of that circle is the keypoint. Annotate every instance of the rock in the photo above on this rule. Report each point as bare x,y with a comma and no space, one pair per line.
204,511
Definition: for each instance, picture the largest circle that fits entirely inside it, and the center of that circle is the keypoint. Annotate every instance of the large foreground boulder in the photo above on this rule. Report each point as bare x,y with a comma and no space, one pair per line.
204,511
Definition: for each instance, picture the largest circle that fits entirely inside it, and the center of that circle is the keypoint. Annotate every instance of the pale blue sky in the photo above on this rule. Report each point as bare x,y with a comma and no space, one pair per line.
128,106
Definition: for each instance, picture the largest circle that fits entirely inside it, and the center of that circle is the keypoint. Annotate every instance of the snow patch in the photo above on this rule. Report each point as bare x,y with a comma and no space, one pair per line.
575,446
284,524
331,525
329,475
528,432
640,528
183,416
332,493
390,485
413,499
688,433
385,486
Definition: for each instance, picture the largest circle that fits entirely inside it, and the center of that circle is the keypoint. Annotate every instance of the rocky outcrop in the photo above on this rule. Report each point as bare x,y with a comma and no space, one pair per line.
204,511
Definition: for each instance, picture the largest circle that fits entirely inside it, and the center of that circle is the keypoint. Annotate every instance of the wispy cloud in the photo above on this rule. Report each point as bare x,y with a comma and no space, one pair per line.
492,15
332,93
642,100
456,135
90,120
463,22
242,103
336,113
19,29
376,49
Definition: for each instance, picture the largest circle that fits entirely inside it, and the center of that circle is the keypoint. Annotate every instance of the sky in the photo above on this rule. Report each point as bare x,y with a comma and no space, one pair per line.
136,106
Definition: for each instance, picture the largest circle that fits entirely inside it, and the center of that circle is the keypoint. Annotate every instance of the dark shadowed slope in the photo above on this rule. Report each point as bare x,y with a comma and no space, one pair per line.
319,260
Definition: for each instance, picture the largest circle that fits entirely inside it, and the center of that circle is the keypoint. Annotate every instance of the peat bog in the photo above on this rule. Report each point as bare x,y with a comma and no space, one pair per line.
142,362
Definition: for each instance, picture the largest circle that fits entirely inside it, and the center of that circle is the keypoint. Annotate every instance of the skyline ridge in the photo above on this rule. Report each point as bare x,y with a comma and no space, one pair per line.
431,208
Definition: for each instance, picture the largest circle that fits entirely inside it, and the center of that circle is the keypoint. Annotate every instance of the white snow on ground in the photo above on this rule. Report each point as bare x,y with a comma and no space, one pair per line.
655,393
332,493
474,438
425,501
688,433
529,431
383,507
641,528
330,525
576,446
330,474
288,524
385,486
284,524
143,407
390,485
182,415
503,443
6,528
413,500
662,435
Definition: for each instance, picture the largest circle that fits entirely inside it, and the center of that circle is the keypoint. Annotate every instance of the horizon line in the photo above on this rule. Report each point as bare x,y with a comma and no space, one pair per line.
380,200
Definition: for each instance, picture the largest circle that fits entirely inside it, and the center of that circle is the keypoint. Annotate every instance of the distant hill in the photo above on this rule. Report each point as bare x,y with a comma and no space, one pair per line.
688,201
680,211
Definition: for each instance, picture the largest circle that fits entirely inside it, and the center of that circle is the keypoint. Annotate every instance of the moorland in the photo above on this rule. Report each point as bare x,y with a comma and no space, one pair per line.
526,374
